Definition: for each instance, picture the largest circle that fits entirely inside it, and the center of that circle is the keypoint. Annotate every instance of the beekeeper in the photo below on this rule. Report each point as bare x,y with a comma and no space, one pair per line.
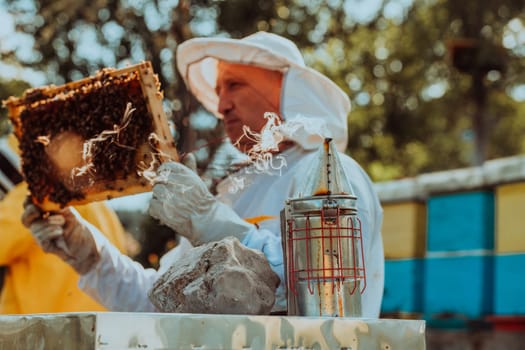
238,80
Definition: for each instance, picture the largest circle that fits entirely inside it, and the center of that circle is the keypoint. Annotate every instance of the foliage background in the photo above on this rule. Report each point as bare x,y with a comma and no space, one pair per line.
420,104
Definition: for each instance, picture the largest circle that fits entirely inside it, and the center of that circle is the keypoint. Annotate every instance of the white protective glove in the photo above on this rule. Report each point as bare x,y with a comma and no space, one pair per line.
182,201
63,234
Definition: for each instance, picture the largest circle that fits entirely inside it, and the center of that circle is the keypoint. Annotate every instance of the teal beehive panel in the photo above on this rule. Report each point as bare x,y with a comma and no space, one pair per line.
460,221
458,287
403,286
509,285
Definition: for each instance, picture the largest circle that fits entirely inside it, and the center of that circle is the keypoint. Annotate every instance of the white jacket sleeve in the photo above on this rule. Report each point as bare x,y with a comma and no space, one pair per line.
118,282
121,284
182,201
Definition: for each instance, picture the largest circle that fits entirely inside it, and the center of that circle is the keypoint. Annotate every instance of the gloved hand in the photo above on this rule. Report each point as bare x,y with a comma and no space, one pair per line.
181,201
64,234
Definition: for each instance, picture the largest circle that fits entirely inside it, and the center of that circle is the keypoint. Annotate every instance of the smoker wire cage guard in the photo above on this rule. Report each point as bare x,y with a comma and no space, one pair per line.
323,242
325,270
92,139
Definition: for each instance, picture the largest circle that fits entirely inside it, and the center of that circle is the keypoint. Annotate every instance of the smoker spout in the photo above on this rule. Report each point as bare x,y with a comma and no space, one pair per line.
326,175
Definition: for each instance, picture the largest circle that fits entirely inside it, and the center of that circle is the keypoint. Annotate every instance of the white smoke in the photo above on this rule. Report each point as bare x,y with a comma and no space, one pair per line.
263,156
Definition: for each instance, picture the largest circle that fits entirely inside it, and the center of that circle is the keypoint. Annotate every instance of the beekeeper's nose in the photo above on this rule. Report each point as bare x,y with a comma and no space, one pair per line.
225,102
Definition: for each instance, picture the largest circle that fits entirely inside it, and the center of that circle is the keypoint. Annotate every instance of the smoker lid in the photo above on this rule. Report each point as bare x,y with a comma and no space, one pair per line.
345,203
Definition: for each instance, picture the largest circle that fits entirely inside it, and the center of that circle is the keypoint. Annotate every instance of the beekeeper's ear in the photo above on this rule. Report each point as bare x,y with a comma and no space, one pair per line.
190,161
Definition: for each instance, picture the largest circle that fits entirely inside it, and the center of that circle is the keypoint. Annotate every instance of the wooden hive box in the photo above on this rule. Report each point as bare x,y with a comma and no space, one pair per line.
96,138
403,295
404,229
457,288
460,221
509,230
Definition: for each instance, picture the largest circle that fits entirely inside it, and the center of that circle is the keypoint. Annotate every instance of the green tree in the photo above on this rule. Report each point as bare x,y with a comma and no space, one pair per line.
430,81
416,108
7,89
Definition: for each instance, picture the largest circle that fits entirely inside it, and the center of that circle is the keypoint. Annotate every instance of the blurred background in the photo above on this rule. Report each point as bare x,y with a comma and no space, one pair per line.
435,85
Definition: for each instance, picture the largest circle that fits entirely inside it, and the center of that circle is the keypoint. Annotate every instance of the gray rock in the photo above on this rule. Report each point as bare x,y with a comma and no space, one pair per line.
221,277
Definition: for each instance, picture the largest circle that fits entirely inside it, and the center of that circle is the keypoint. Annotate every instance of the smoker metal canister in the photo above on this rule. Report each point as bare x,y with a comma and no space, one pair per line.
323,245
322,242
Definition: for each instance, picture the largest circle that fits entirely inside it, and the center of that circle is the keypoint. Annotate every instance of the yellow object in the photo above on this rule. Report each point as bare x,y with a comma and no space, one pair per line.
510,207
13,143
257,219
404,230
37,282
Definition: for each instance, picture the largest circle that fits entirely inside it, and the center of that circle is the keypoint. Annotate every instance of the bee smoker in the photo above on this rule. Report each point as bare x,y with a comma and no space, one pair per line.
322,243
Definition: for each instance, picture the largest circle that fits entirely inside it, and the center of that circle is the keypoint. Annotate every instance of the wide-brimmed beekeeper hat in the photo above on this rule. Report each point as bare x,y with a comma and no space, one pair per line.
308,98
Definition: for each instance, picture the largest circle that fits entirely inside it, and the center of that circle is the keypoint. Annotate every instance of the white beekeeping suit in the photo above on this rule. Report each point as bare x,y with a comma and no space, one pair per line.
313,108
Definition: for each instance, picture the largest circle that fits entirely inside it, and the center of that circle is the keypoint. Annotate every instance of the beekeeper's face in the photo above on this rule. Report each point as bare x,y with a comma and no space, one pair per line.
245,94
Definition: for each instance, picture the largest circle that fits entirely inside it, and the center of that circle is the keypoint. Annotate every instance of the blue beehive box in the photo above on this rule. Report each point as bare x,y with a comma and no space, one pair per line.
509,286
457,288
460,221
403,286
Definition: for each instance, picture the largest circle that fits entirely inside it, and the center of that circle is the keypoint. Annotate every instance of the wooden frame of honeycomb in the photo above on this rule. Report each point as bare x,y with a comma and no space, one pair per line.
93,139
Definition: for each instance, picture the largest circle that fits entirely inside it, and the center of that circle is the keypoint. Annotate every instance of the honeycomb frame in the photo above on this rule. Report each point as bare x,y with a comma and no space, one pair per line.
124,135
